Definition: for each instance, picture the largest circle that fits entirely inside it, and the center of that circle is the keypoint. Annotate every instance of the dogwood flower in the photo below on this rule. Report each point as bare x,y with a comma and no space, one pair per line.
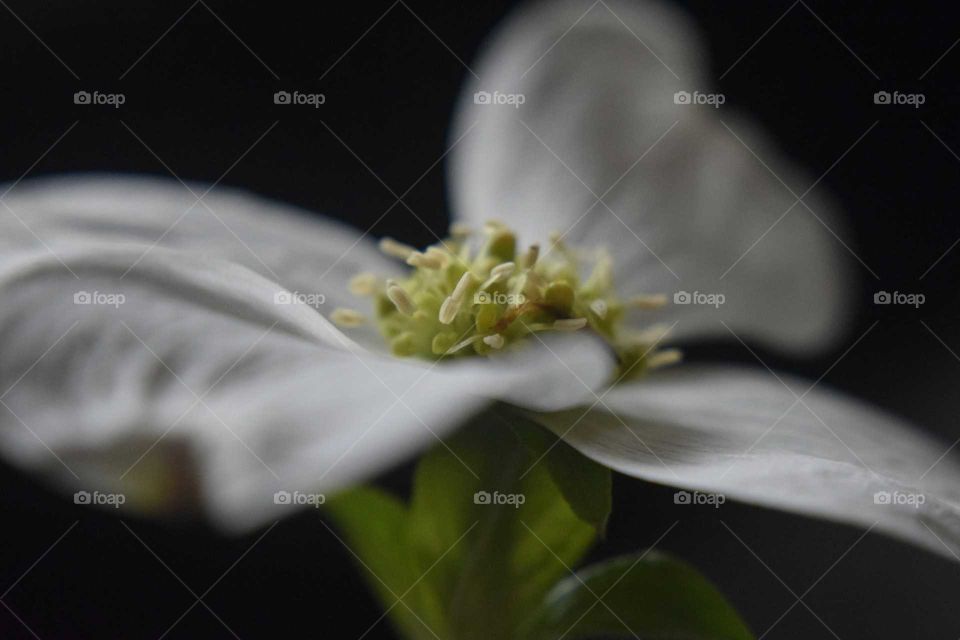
172,342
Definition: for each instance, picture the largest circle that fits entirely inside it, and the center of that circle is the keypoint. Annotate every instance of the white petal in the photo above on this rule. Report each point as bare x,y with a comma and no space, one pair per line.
685,205
311,256
743,434
196,389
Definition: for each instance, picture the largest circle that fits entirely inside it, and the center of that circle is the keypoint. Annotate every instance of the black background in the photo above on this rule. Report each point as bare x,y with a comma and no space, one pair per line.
203,95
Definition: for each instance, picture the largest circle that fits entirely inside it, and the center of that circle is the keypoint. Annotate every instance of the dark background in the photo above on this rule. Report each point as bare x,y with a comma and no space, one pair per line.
203,95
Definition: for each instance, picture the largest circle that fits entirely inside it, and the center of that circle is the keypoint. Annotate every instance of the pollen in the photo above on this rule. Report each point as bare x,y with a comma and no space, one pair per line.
474,293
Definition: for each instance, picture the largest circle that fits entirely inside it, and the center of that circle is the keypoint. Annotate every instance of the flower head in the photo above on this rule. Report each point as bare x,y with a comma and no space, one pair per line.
469,296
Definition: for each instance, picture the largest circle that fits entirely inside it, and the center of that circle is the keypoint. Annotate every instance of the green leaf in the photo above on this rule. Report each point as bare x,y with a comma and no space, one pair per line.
498,560
650,595
374,526
586,485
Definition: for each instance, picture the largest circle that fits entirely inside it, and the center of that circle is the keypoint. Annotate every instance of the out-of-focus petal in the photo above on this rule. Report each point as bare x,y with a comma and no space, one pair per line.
184,384
688,197
743,434
311,256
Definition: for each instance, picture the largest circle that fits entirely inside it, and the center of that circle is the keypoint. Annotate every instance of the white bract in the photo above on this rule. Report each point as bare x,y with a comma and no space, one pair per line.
219,381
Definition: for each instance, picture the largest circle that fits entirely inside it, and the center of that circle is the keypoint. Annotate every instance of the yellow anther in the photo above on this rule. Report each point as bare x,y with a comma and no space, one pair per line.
364,284
530,257
460,230
449,309
647,302
427,261
443,255
498,274
347,318
571,324
398,296
664,358
463,285
395,249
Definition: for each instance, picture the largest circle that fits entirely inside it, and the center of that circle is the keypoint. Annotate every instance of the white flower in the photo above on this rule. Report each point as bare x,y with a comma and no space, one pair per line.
177,351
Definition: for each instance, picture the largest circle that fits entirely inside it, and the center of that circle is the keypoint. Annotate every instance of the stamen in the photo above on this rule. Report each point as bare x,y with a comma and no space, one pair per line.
664,358
460,291
449,309
460,230
493,226
499,273
417,259
571,324
395,249
463,343
647,302
363,284
347,318
459,294
398,296
443,255
494,341
531,256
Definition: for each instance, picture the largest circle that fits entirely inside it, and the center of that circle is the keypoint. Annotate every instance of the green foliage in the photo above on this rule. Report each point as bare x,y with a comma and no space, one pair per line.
498,518
647,595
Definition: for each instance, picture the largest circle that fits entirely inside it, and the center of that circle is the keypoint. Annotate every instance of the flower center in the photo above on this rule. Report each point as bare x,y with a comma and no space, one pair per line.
475,296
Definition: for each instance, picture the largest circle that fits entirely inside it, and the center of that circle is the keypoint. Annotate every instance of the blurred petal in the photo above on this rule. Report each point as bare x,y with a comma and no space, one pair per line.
310,255
183,384
743,434
686,205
